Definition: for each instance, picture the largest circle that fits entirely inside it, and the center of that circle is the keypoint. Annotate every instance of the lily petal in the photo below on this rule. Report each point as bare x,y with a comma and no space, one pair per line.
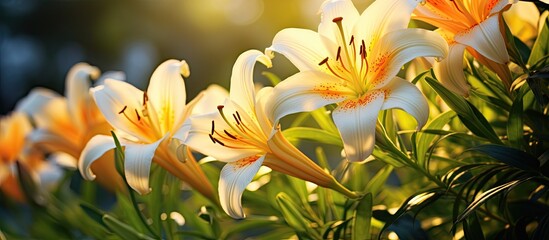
53,142
405,45
335,9
242,88
166,93
486,39
116,75
55,118
137,165
114,96
264,118
500,5
302,47
382,17
36,100
214,95
356,121
306,91
94,149
77,91
449,71
402,94
199,129
234,178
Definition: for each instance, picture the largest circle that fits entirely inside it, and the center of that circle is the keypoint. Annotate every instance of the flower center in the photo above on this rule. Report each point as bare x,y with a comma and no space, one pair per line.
238,136
143,122
350,63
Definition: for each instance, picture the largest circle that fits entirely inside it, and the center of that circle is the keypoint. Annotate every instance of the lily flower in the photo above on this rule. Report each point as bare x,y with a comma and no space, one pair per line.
468,25
241,134
14,129
66,123
147,125
353,61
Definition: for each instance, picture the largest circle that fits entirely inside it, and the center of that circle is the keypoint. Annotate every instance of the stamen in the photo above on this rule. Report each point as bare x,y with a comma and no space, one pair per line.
337,19
145,97
338,56
220,107
230,135
137,114
213,127
323,61
217,141
238,115
123,109
352,40
236,119
212,138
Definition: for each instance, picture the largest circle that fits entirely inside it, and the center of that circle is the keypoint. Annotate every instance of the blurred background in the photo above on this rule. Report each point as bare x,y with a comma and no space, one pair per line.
41,39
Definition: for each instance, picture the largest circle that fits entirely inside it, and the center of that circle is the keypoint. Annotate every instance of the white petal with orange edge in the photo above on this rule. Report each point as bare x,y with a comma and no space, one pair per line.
233,179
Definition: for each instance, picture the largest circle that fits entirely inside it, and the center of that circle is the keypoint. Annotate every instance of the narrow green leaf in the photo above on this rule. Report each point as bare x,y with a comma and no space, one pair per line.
248,225
512,46
293,216
485,196
471,117
415,203
94,213
515,132
541,46
123,230
272,77
472,229
424,139
510,156
324,120
362,218
387,158
378,181
313,134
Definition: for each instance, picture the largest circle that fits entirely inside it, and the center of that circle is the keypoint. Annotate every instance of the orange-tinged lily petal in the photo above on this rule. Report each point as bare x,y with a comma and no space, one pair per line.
486,39
233,179
449,71
302,47
167,94
402,94
77,92
242,86
356,121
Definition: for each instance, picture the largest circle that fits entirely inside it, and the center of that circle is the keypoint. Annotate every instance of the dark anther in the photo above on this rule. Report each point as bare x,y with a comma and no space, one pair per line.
238,115
212,138
230,135
145,98
337,19
352,40
236,119
219,107
323,61
213,127
338,56
123,109
137,114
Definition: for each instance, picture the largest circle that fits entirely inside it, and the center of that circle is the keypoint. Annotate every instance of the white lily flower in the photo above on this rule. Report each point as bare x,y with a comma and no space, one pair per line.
65,124
241,134
147,125
14,129
353,61
468,25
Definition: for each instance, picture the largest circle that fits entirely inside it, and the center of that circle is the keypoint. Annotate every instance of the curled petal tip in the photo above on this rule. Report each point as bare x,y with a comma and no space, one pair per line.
184,69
